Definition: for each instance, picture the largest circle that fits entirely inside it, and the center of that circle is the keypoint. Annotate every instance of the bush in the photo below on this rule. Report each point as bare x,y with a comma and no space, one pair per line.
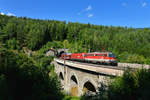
134,58
13,44
20,79
133,85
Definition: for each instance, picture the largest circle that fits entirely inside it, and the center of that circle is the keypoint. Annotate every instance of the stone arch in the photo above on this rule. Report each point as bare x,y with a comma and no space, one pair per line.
74,88
61,76
73,75
88,85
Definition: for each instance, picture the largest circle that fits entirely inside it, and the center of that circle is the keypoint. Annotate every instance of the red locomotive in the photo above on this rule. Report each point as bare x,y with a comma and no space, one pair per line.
95,57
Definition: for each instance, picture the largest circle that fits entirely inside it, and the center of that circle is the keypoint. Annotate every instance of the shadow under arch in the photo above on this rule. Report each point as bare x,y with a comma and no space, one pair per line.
73,86
73,80
88,86
61,76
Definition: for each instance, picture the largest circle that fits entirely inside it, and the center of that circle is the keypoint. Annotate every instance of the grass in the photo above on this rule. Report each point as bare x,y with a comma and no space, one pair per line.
71,98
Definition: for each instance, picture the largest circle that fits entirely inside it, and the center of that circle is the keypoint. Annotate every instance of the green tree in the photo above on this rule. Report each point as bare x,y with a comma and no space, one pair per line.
20,78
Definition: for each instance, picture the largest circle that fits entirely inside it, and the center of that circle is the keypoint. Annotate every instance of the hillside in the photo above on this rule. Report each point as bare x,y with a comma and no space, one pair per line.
129,44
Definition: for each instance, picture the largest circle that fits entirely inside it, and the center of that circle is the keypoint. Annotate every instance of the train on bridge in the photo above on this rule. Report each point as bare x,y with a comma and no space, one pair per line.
95,57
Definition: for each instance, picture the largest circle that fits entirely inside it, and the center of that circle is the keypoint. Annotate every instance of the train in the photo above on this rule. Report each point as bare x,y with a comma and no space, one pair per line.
106,58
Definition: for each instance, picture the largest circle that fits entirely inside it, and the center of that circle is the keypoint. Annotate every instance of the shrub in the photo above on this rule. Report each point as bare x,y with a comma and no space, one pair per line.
20,79
132,85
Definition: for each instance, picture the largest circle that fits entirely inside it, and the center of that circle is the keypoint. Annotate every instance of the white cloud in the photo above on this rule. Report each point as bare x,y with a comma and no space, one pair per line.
85,10
124,4
144,4
89,8
10,14
90,15
2,13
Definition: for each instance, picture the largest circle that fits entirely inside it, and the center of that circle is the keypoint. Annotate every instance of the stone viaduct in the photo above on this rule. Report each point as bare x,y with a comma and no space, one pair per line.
78,78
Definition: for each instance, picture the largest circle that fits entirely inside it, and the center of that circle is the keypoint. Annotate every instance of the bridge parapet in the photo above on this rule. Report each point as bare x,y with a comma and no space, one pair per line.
131,65
101,69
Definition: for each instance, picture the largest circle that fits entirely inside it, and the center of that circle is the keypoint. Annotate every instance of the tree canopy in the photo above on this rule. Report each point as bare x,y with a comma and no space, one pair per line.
37,34
21,79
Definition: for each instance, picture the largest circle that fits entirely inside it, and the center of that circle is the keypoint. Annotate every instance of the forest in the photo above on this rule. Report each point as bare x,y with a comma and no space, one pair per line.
129,44
18,71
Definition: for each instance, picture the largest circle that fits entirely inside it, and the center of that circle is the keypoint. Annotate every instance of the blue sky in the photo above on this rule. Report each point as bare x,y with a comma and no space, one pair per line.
130,13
